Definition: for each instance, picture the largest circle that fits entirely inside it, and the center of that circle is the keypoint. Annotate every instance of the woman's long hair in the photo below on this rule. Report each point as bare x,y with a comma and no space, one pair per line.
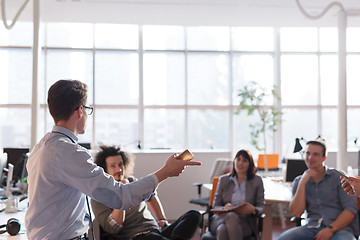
247,155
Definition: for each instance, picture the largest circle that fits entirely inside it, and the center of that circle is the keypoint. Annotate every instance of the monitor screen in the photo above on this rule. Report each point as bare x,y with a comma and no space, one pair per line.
294,168
14,154
18,158
85,145
3,162
20,171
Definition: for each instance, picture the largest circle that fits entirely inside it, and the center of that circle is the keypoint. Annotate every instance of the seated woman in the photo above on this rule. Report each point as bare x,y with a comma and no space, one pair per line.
239,188
137,223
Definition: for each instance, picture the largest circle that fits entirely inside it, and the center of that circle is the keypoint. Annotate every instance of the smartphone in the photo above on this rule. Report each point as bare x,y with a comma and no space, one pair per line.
342,173
186,155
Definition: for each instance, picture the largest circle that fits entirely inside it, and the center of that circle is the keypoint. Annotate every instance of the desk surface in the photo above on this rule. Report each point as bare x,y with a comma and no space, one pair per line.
277,191
4,217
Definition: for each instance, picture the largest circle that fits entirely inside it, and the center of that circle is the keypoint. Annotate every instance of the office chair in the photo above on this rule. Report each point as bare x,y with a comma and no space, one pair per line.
208,235
220,167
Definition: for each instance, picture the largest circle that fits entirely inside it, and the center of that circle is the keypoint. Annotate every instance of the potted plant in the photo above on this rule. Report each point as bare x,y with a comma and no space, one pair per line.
252,99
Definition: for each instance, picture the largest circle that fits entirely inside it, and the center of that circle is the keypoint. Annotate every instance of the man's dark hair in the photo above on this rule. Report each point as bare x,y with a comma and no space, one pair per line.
319,143
251,170
64,97
109,151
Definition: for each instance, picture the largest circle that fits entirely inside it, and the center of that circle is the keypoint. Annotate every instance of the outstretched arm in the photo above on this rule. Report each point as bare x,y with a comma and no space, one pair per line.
173,167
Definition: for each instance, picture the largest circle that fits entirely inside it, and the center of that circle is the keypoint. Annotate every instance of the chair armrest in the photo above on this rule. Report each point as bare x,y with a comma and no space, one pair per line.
198,185
260,222
296,220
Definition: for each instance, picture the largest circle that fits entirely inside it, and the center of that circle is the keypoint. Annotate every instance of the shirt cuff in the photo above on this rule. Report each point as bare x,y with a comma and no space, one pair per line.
155,179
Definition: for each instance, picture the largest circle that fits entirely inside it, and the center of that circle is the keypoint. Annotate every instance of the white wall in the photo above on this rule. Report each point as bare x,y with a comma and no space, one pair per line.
176,192
351,161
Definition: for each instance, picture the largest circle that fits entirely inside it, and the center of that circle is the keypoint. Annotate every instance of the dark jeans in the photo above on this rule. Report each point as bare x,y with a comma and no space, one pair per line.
183,228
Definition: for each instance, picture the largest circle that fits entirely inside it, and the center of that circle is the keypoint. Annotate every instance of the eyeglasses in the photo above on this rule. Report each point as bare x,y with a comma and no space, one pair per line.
88,110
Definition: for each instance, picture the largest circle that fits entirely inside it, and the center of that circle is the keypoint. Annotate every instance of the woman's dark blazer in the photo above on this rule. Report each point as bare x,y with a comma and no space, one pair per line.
254,194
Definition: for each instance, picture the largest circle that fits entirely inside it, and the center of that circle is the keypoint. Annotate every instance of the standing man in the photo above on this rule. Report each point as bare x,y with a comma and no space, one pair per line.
61,172
331,213
138,223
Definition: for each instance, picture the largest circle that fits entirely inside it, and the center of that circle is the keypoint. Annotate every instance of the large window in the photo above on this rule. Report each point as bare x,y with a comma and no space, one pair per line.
161,87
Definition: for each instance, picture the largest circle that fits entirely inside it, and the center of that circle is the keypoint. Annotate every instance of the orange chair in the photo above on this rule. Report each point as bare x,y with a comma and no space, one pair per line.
209,206
272,161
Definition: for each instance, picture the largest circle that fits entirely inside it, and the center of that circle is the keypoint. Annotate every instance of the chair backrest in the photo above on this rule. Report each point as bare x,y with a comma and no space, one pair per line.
272,161
215,182
220,167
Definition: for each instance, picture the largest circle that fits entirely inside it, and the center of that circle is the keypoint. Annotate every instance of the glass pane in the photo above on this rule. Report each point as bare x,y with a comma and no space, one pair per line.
15,76
164,128
299,39
116,36
46,121
74,65
298,123
328,39
353,76
75,35
242,136
329,125
208,79
208,38
208,129
163,37
352,39
20,35
117,127
164,78
353,127
329,79
15,122
117,78
42,90
246,69
88,135
299,77
252,38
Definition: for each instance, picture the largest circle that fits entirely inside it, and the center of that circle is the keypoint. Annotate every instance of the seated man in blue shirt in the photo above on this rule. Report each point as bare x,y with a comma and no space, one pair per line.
61,172
331,213
137,223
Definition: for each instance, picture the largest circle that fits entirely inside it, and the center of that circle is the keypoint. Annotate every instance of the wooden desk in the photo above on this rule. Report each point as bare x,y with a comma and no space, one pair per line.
275,192
4,217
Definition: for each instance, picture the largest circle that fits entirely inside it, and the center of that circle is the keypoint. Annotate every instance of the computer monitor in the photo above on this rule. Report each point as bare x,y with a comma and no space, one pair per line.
14,154
3,162
294,168
9,179
85,145
20,171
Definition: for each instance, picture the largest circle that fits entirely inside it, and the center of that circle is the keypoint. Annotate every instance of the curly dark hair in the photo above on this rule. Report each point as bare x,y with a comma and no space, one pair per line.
109,151
247,155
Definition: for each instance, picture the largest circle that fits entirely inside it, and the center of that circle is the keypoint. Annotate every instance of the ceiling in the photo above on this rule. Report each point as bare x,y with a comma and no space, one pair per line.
187,12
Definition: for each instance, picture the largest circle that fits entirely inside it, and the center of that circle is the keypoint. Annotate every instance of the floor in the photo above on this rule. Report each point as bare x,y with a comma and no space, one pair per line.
277,230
